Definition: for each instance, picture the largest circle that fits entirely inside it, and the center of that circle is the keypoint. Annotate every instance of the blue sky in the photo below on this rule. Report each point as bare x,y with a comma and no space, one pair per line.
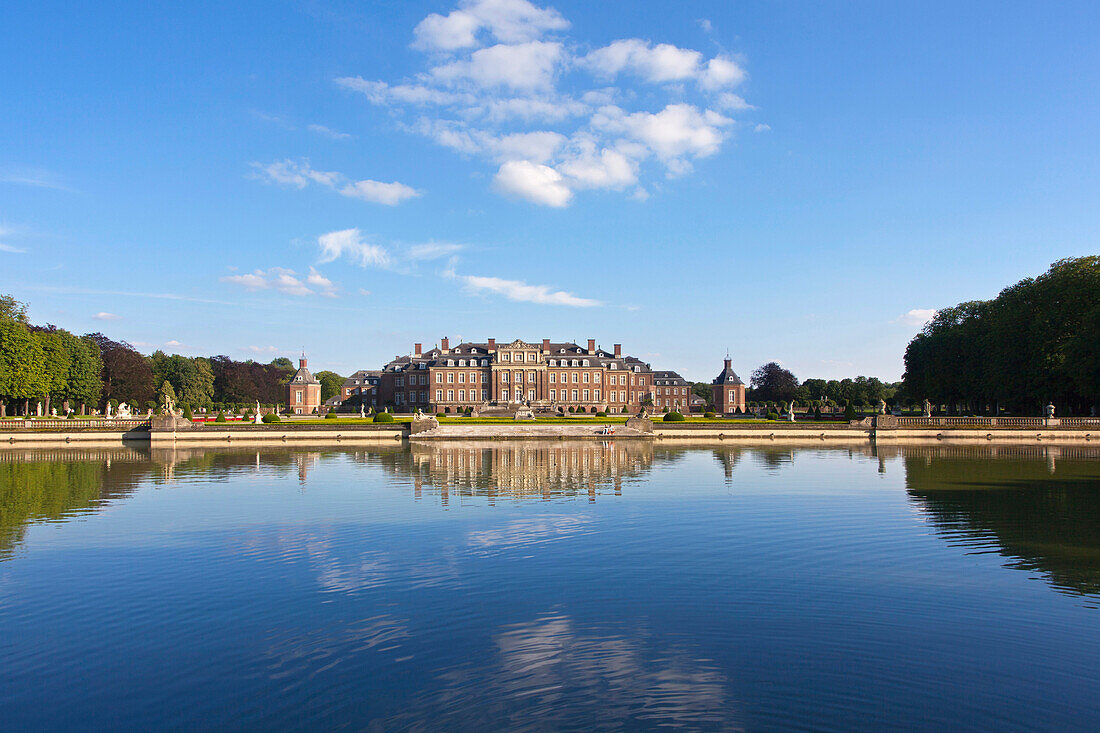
792,181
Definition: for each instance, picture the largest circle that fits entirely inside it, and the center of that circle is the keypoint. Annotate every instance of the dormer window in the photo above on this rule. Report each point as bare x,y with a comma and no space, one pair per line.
562,351
637,369
450,362
484,362
585,363
462,362
614,365
553,362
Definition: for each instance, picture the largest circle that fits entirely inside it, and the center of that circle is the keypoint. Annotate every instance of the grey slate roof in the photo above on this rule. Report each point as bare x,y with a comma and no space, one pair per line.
727,376
303,376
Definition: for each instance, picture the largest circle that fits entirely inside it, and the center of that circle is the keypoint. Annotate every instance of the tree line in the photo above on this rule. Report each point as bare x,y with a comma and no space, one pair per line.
1037,341
49,365
771,385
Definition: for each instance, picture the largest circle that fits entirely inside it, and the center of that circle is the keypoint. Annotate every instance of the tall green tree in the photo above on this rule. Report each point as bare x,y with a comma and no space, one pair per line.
331,384
21,365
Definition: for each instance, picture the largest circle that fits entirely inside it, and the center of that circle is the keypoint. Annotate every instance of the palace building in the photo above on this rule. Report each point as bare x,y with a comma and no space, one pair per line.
547,375
671,391
303,391
728,391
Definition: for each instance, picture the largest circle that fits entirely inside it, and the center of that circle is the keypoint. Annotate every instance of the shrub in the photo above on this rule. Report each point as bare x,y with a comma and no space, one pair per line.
772,416
71,416
469,410
673,417
572,409
708,414
220,417
817,413
383,417
270,417
601,414
187,412
849,411
439,414
330,415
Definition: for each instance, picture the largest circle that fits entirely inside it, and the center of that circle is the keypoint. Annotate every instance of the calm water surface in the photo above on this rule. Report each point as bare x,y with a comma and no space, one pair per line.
551,586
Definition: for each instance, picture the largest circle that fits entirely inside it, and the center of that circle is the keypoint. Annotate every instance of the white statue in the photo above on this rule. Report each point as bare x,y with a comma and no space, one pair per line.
53,411
927,408
362,414
790,411
257,420
882,407
1050,410
123,409
108,414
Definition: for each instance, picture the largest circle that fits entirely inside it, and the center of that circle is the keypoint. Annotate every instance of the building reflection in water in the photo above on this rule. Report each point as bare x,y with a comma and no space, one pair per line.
518,470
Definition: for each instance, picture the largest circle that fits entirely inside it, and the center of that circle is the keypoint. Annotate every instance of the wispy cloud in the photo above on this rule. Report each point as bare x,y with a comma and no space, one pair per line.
519,291
916,317
34,177
284,281
329,132
12,249
262,349
299,174
105,316
492,66
351,245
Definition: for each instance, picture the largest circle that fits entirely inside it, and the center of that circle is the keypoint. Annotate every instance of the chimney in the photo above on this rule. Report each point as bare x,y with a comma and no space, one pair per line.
302,363
445,344
546,345
492,345
728,362
591,345
417,349
618,350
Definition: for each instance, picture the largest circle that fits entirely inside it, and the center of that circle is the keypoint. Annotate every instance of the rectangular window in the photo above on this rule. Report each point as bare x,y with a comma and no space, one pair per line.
439,377
530,394
586,378
553,378
461,395
505,357
485,394
596,377
504,377
597,395
531,377
484,378
400,382
473,377
299,393
586,399
504,394
574,394
439,395
462,377
574,377
450,377
553,394
450,395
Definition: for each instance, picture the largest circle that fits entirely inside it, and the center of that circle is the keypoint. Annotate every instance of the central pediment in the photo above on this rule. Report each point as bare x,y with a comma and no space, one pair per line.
519,344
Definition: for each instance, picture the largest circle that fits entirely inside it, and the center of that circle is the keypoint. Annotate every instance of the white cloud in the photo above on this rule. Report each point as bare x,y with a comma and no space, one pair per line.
530,65
105,316
917,316
262,349
706,25
300,174
538,183
11,248
349,243
173,342
520,291
329,132
388,194
494,86
762,128
660,63
284,281
605,169
433,250
678,129
363,291
509,21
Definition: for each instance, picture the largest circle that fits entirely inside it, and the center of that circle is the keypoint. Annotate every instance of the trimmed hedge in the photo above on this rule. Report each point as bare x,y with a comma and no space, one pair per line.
271,417
220,417
673,417
330,415
708,414
383,417
772,416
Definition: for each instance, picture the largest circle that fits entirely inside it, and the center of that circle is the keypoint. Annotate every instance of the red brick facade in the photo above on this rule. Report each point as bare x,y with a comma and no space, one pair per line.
548,375
728,391
303,391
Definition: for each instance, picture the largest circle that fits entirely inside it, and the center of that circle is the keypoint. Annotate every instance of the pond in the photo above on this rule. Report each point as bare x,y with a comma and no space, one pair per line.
551,586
